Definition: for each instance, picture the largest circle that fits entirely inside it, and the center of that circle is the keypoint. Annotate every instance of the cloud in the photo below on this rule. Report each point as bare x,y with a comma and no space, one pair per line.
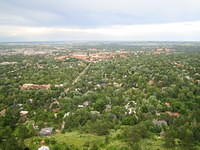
96,13
168,31
27,20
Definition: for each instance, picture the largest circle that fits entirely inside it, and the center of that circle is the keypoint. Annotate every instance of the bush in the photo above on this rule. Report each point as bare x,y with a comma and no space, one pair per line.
136,133
100,127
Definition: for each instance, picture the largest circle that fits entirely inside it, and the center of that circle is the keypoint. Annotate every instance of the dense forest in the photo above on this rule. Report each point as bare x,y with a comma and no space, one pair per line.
144,101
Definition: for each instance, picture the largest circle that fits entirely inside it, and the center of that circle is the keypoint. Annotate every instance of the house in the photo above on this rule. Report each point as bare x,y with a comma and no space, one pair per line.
86,103
131,110
159,122
115,84
35,86
46,131
8,63
151,82
66,115
56,115
63,125
80,106
20,106
30,100
3,112
23,113
59,85
94,112
167,104
108,108
54,104
55,109
129,104
173,114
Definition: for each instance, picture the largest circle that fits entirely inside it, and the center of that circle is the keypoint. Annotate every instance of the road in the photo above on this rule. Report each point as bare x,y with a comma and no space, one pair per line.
78,77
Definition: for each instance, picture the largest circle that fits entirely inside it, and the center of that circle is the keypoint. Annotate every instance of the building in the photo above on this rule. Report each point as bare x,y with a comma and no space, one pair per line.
46,131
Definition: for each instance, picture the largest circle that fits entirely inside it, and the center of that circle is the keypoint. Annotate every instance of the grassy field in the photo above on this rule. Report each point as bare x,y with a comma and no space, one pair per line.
79,140
70,138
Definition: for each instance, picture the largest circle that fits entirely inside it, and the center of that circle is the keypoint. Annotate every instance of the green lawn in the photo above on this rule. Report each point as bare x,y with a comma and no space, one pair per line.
71,138
78,140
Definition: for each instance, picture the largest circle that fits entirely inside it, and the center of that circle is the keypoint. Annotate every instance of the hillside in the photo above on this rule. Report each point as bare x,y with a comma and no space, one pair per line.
136,98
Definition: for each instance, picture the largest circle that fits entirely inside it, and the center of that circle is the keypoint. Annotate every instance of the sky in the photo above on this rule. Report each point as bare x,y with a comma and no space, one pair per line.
107,20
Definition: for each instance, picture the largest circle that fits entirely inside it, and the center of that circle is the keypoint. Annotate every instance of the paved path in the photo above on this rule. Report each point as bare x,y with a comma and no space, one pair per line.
73,83
78,77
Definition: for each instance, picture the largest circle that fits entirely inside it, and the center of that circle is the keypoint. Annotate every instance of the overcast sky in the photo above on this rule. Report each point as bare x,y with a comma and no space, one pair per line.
62,20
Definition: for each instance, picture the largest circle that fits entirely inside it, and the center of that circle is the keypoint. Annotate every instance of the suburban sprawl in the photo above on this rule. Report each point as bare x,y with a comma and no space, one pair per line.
100,95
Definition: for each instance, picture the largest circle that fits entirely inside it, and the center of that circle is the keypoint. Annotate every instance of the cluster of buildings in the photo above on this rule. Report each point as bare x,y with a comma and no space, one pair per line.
94,56
162,51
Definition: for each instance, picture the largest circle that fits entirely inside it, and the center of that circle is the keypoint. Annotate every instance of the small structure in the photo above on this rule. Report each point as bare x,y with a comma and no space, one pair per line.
30,100
167,104
108,108
23,113
56,115
188,77
131,110
131,107
86,103
8,63
159,122
117,85
151,82
80,106
35,86
130,104
94,112
46,131
3,112
66,115
54,104
56,109
176,64
173,114
59,85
